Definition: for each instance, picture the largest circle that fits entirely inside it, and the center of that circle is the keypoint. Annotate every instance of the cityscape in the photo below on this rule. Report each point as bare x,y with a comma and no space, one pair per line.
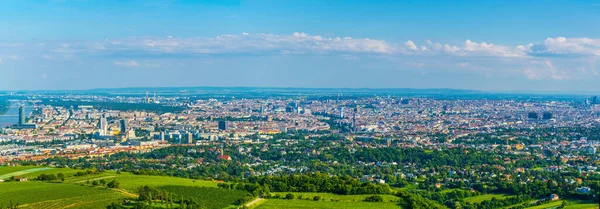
299,104
490,141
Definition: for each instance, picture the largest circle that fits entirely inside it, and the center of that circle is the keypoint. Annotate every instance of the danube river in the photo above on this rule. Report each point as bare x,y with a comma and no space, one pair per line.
12,115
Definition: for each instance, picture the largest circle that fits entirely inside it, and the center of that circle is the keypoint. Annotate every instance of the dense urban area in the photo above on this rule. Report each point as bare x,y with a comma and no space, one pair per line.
301,148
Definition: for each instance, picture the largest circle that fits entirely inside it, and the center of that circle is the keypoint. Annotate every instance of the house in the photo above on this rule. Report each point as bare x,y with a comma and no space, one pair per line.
554,197
224,157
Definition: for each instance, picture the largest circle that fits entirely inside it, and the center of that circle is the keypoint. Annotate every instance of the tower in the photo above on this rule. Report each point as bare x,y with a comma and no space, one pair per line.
103,125
21,115
123,126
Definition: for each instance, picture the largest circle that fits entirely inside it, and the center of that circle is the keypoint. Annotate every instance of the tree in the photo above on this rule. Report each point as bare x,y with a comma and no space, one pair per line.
113,184
61,176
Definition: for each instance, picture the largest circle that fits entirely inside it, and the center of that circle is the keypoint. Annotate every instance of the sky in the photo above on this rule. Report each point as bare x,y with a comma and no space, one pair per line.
520,45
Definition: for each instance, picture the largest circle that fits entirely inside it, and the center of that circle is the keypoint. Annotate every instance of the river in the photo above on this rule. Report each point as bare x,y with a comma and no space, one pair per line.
12,115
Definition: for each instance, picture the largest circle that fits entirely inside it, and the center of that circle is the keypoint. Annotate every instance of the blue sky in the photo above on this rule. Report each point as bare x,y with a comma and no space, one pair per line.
483,45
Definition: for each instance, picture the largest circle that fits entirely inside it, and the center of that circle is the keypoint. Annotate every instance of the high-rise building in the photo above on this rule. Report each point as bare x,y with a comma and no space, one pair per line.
190,138
123,126
594,100
162,136
21,115
341,112
103,125
222,125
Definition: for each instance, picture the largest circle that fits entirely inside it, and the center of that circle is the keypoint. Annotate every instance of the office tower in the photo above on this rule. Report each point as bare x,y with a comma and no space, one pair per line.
123,126
103,125
222,125
594,100
21,115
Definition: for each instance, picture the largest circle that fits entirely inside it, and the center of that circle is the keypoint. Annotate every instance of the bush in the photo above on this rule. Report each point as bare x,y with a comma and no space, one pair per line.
289,196
374,198
317,198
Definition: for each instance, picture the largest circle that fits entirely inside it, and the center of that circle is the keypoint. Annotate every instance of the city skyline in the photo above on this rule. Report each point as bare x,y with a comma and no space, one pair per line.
490,46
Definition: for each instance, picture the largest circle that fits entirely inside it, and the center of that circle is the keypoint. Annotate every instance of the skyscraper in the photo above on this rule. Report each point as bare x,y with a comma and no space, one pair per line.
190,138
222,125
21,115
123,126
103,125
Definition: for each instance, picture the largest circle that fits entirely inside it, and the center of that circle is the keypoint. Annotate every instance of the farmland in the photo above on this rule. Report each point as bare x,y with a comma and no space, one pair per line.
54,195
310,204
206,196
481,198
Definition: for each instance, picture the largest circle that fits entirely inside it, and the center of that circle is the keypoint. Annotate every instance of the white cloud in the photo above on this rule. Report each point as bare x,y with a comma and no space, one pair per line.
533,60
410,45
131,63
566,47
297,43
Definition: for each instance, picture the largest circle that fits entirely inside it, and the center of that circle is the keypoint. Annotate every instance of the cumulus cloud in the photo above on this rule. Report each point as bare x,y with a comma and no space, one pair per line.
533,60
245,43
410,45
471,48
562,46
131,63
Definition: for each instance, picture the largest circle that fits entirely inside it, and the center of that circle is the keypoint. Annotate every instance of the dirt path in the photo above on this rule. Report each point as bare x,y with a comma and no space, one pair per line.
257,200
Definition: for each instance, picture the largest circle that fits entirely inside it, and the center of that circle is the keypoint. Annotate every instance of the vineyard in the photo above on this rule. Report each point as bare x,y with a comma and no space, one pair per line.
206,196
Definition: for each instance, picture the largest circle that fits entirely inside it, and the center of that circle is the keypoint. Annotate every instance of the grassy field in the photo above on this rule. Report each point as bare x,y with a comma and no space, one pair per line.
56,195
335,197
309,204
572,204
11,169
207,197
25,172
72,193
481,198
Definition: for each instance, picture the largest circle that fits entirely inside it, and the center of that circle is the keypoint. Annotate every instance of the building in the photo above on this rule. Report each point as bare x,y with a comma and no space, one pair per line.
222,125
21,123
554,197
21,115
123,126
341,112
103,126
190,138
